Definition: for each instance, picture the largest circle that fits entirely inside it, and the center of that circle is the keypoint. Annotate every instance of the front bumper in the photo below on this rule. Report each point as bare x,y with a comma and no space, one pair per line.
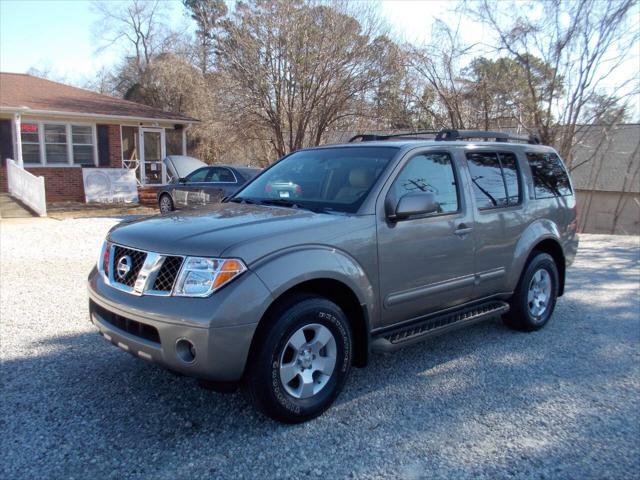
221,329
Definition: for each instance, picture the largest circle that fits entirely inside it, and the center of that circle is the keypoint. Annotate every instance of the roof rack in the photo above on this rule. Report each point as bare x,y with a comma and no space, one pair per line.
371,137
449,134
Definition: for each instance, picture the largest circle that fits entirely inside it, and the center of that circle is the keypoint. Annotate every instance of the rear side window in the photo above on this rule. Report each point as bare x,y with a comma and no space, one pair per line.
199,175
495,179
550,179
220,174
430,172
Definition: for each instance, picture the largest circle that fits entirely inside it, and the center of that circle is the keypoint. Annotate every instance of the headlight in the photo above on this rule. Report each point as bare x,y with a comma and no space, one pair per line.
200,277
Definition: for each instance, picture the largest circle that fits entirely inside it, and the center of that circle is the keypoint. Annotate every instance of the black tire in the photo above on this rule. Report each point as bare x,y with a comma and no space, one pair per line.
262,380
169,201
520,316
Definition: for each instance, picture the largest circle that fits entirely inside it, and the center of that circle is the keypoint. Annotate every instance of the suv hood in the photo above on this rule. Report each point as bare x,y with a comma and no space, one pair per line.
212,231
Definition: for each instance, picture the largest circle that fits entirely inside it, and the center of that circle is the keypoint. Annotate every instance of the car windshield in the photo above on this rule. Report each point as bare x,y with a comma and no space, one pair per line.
326,179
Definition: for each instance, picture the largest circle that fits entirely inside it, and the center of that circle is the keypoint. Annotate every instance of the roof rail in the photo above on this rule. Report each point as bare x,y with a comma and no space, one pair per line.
370,137
447,134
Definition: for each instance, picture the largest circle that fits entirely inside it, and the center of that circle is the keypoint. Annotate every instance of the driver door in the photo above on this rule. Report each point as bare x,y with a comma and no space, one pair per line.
426,262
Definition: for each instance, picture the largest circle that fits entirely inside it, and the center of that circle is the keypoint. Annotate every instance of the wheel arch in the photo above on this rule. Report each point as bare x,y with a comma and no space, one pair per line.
541,235
339,293
552,247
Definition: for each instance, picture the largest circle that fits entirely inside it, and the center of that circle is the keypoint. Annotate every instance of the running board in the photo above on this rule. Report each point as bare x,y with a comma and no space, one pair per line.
436,324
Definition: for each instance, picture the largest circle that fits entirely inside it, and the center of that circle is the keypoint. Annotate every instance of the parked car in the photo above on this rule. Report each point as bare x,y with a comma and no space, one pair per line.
180,166
375,245
203,186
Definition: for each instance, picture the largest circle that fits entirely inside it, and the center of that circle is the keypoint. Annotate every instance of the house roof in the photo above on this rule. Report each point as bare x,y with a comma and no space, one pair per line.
23,91
607,160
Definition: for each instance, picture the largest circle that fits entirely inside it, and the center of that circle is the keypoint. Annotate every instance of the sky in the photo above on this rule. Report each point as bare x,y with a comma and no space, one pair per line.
61,37
58,35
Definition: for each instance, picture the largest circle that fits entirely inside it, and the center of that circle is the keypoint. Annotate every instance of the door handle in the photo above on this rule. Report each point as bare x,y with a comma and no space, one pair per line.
463,230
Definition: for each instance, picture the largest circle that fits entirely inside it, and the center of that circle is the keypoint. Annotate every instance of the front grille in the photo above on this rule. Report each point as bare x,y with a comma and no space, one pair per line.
167,274
137,260
132,327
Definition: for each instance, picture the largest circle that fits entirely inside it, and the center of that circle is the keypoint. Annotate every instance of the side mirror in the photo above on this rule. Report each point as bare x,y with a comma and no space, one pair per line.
182,180
417,203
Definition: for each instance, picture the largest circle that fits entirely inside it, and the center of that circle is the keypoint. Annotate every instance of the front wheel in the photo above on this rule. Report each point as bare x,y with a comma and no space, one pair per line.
303,360
534,300
165,203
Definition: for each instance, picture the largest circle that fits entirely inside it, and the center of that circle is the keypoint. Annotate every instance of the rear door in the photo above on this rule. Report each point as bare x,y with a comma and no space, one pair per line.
426,263
220,183
496,182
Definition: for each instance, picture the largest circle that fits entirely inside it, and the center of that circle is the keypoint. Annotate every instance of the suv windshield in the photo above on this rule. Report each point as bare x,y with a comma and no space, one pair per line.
327,179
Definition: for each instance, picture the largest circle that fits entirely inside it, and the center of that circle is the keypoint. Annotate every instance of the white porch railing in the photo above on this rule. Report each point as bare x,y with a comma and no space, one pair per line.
26,187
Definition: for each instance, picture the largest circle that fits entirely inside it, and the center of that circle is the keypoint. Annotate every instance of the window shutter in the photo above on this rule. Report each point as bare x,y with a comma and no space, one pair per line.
103,146
6,142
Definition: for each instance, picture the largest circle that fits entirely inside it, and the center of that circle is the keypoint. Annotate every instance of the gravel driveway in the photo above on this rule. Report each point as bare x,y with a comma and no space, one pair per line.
486,402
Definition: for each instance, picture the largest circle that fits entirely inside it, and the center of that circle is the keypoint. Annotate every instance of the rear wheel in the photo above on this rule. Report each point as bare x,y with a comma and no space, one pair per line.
303,360
165,203
535,298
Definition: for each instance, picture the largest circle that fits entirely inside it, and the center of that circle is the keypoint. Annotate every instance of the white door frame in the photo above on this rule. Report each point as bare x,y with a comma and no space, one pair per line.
163,153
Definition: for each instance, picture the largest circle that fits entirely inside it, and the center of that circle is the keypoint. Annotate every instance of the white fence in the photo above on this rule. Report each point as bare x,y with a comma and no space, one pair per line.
26,187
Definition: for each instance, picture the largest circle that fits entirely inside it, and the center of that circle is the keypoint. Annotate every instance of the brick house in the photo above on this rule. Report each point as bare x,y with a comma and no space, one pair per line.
55,130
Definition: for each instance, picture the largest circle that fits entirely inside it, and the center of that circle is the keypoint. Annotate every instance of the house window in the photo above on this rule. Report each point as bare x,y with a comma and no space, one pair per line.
55,143
58,143
29,137
174,141
129,143
82,140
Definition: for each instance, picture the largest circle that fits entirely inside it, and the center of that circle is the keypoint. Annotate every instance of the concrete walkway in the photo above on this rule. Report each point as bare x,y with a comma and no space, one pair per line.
12,208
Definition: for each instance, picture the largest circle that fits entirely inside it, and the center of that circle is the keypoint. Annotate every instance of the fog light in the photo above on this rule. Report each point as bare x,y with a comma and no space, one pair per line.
185,350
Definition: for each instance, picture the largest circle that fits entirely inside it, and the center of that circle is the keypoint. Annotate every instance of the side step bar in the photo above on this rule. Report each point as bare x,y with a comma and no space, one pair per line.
436,324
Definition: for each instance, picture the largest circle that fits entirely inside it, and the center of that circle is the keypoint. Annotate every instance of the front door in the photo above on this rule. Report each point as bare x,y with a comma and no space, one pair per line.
152,151
426,262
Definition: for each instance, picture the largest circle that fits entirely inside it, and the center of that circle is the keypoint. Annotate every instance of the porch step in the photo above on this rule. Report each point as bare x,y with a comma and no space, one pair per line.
12,208
147,195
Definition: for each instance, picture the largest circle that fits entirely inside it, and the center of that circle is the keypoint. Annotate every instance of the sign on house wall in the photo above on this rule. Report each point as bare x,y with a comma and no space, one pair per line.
110,185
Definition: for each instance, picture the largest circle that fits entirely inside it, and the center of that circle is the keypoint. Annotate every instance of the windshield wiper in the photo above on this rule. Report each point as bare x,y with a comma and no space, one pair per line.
283,202
279,202
243,200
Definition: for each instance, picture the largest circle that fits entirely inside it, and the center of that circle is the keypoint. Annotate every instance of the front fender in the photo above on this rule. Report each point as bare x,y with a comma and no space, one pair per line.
537,231
288,268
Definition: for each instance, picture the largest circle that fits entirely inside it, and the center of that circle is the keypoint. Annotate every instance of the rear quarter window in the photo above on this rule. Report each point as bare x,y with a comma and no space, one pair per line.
550,178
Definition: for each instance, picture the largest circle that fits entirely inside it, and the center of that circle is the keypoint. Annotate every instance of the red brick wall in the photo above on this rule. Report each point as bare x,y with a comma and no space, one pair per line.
115,147
61,184
3,179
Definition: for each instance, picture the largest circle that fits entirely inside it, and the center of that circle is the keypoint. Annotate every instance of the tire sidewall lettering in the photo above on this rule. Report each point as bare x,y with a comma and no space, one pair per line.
338,330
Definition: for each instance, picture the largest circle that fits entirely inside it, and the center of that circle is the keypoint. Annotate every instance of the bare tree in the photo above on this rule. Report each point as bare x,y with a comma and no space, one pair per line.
137,25
296,69
582,43
439,65
208,15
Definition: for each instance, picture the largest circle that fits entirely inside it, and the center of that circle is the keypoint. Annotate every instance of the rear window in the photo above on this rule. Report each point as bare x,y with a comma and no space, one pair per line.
495,179
550,179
